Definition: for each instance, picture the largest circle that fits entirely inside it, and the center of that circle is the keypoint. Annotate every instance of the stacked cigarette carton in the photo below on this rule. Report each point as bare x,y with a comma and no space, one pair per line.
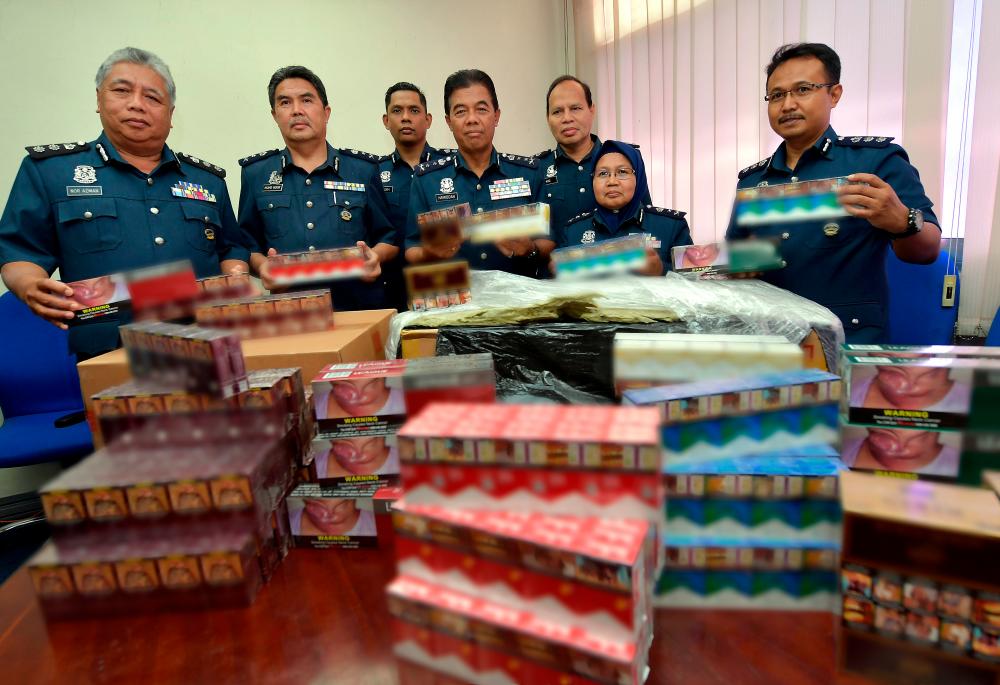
526,542
750,473
184,507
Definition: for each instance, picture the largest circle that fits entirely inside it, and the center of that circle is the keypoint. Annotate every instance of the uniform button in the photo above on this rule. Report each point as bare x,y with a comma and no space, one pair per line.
794,179
580,168
855,322
149,181
550,194
88,215
786,235
309,203
347,203
309,181
159,240
312,248
583,190
270,205
479,210
479,186
482,255
154,210
205,218
310,226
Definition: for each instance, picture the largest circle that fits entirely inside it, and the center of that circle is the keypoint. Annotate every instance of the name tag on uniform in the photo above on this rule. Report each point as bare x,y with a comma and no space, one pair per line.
510,187
387,189
446,197
344,185
72,191
192,191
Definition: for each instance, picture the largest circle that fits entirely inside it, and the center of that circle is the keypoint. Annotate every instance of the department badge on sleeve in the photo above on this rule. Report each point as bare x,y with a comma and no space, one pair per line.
85,174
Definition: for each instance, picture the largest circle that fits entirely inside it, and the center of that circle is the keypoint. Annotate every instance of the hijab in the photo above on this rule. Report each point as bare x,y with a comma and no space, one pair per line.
613,218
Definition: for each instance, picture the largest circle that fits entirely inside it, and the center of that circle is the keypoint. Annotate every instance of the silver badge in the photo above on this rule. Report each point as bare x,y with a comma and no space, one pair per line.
210,234
39,148
345,215
447,185
831,229
85,174
274,179
53,147
588,237
69,146
386,176
551,171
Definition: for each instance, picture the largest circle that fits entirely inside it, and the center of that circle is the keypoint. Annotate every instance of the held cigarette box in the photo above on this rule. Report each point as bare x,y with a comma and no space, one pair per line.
104,298
906,392
603,258
713,259
477,621
571,570
790,202
522,221
735,396
269,315
443,227
315,266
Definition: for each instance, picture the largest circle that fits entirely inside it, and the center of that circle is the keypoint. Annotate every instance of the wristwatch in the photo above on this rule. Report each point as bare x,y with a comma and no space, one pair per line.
914,222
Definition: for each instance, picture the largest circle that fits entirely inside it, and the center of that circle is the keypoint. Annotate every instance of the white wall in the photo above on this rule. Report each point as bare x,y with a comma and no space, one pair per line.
222,53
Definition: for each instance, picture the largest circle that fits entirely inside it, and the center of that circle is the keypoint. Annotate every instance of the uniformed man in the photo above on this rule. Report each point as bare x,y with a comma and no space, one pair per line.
123,201
311,196
479,175
619,185
839,263
406,119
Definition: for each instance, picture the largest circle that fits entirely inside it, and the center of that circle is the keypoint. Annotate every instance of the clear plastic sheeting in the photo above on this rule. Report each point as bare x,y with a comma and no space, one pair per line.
572,324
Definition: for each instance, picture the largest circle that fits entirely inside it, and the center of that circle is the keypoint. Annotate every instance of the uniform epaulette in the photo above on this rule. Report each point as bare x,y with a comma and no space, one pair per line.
578,217
543,153
663,211
529,162
432,165
384,158
754,167
202,164
360,154
54,149
864,141
447,150
259,156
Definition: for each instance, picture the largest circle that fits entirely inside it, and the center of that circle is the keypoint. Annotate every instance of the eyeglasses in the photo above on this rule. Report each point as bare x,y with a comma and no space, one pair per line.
799,92
621,174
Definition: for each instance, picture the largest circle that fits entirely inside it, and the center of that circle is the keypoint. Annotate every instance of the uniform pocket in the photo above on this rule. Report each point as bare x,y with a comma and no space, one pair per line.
89,225
203,227
348,215
276,213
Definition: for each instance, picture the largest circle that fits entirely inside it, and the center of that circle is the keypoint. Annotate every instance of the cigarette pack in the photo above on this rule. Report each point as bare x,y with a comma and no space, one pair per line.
269,315
603,258
650,359
316,266
454,378
225,286
105,298
354,466
573,571
916,570
921,351
189,357
788,590
790,202
322,519
164,290
715,259
736,396
178,568
443,227
907,392
716,553
522,221
436,286
355,398
960,456
383,502
454,619
733,436
789,495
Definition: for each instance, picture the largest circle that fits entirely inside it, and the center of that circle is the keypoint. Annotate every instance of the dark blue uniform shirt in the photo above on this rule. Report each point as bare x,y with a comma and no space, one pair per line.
395,176
838,263
509,181
668,226
82,209
335,205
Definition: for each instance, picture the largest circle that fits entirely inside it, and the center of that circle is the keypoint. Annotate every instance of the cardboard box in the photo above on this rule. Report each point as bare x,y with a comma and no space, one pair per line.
356,336
418,342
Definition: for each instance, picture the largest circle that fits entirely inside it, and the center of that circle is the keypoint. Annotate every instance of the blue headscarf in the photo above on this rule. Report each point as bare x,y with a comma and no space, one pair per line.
611,218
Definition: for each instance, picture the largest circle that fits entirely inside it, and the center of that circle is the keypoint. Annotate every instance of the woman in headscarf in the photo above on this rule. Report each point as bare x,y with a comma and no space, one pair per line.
619,186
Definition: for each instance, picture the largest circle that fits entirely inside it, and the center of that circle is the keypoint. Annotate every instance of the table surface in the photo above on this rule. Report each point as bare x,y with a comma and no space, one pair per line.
323,619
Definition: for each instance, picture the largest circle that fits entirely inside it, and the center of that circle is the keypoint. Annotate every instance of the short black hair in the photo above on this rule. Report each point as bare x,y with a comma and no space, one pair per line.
466,78
296,72
824,53
563,79
404,85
